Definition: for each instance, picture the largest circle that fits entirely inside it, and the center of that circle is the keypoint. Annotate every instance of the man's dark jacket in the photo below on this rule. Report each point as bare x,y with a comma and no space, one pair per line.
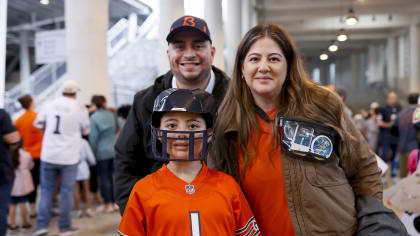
134,147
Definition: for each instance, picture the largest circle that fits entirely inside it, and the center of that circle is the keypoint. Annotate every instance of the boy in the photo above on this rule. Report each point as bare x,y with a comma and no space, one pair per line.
184,197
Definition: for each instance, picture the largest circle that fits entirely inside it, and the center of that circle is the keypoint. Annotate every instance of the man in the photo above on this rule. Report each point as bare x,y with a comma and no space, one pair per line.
9,140
190,55
63,122
387,142
407,133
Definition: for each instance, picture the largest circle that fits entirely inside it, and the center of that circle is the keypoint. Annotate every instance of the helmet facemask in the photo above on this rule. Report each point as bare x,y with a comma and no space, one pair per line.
182,125
196,141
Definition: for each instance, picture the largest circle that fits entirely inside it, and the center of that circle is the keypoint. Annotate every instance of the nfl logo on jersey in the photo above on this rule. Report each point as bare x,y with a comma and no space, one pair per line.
189,189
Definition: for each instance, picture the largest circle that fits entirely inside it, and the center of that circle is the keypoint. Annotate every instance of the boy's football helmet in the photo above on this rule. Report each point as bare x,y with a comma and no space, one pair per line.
194,101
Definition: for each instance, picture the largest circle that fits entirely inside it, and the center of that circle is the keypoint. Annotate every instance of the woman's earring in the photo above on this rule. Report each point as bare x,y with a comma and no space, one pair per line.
242,77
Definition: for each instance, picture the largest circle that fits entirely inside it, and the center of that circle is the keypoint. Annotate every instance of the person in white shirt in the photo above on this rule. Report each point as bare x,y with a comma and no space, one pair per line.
63,122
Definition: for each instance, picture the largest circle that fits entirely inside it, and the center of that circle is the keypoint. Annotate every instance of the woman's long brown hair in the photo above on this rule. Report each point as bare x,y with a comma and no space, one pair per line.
299,98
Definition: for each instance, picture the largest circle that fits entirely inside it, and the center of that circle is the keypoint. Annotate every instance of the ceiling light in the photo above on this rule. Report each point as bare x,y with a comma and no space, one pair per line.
351,17
342,36
323,56
45,2
333,47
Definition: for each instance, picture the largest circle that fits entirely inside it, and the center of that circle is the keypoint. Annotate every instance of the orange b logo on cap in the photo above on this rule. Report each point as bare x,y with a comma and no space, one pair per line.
189,20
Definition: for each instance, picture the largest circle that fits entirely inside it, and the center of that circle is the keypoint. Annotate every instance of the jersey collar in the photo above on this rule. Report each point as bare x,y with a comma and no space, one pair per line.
172,181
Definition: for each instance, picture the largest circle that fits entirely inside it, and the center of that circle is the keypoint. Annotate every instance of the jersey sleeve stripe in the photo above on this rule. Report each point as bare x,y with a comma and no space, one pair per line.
121,234
243,229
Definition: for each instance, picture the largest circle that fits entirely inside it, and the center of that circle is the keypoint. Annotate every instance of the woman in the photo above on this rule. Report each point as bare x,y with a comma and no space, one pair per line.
290,192
32,143
104,127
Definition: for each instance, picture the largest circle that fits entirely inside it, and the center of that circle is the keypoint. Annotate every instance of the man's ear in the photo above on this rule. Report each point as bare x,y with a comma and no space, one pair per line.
213,50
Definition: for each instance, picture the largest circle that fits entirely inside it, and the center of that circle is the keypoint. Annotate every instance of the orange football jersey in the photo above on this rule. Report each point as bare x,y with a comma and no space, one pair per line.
163,204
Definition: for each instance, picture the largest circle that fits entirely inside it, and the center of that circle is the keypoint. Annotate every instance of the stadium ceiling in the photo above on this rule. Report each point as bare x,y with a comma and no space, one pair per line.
314,23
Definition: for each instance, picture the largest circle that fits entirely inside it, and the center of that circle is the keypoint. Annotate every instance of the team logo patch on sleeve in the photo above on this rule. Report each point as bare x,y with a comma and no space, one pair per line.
250,229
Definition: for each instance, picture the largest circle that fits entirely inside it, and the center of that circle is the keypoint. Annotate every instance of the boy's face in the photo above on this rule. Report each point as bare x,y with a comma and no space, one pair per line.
182,121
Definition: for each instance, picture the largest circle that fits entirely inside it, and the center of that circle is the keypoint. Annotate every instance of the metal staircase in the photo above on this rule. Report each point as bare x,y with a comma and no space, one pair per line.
132,53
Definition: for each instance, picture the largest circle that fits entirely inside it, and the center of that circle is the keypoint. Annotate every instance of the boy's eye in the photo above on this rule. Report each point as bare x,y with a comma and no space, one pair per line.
194,126
171,126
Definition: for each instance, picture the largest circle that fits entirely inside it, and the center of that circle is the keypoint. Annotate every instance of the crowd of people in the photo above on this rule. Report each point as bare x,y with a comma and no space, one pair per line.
67,150
265,152
390,132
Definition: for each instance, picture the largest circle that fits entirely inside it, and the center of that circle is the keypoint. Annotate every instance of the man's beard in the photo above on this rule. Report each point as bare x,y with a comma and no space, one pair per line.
196,80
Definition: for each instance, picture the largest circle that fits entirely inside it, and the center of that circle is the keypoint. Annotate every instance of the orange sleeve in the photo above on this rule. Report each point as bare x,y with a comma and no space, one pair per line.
133,220
245,220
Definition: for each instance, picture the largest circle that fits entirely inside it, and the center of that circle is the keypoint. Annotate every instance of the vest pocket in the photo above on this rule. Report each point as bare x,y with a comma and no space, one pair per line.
328,200
325,174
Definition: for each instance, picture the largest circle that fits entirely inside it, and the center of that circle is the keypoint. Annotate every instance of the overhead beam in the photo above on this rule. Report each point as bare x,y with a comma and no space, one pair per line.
323,45
326,37
332,4
35,25
35,6
332,23
270,14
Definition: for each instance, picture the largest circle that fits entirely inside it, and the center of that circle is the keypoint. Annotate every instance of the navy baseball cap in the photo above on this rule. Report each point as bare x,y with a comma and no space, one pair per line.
189,23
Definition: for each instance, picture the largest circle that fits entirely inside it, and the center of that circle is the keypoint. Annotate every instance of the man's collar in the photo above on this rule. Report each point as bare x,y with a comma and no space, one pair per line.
210,85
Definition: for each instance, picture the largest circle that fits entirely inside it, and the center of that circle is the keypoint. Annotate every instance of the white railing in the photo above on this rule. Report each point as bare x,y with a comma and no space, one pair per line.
117,36
39,81
147,26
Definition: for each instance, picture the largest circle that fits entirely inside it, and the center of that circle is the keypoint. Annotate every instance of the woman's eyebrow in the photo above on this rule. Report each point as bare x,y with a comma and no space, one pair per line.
169,119
253,54
275,53
270,54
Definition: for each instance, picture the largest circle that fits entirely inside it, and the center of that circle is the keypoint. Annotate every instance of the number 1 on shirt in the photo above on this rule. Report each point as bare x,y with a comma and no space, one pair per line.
56,131
195,223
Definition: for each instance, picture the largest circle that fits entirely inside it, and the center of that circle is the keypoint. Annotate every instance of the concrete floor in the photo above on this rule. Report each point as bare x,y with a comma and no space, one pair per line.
102,224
